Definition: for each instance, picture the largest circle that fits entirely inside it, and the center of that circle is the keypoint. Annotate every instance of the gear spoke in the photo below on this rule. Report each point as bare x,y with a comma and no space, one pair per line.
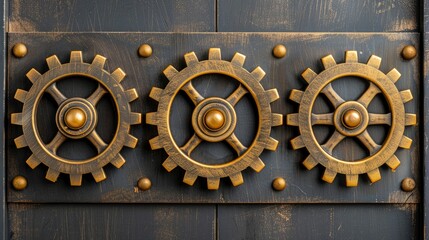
369,94
378,119
56,142
332,95
56,94
322,119
235,143
193,94
333,141
96,140
97,95
235,97
192,143
369,143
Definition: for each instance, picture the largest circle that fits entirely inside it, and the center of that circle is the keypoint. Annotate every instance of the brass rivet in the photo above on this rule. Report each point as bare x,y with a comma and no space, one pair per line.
144,184
351,118
279,184
279,51
214,119
19,183
19,50
408,184
145,50
75,118
409,52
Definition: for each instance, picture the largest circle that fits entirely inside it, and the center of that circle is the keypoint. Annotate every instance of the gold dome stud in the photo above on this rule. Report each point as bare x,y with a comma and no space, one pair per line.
19,50
279,51
214,119
279,184
409,52
352,118
145,50
19,183
75,118
144,184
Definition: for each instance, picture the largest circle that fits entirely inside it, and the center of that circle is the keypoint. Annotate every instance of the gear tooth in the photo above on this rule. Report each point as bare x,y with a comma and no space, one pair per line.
213,183
155,143
155,93
32,161
75,179
151,118
328,61
135,118
272,94
20,95
292,119
170,72
169,164
20,142
393,162
238,59
406,95
410,119
131,141
352,180
190,178
309,162
296,95
351,57
394,75
76,57
374,61
308,75
16,118
99,61
119,161
99,175
257,165
33,75
374,175
236,179
215,54
329,176
271,144
52,175
258,73
53,62
191,58
131,94
276,119
405,142
297,143
118,75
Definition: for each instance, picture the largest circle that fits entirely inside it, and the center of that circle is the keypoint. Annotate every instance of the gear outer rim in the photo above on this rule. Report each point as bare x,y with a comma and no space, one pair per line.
393,98
34,141
243,76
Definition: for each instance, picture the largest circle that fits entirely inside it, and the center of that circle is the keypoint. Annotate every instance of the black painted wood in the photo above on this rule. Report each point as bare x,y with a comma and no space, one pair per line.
3,206
318,16
111,221
347,221
304,50
425,143
111,16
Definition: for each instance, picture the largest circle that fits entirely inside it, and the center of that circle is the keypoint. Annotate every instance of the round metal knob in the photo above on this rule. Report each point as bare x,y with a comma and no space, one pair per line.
19,183
279,184
214,119
144,184
75,118
351,118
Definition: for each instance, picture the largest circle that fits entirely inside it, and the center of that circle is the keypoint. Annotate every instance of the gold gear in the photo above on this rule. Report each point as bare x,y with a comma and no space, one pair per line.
351,118
76,118
214,119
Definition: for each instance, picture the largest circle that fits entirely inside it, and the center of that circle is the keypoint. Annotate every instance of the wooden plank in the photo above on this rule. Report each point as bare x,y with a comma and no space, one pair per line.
304,50
3,212
349,221
111,15
425,59
318,16
111,221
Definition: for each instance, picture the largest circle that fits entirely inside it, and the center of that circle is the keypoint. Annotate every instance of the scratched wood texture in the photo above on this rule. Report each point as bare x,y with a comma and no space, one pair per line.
425,154
318,16
284,74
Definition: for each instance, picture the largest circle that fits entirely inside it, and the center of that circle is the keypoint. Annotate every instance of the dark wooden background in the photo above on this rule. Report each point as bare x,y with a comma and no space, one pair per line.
307,209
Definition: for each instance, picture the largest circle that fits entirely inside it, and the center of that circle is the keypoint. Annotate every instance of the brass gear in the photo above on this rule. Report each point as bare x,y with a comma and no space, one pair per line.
351,118
76,118
214,119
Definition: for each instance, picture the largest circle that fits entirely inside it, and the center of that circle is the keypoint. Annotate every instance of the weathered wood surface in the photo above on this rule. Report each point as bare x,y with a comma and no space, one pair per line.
318,16
425,112
304,50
